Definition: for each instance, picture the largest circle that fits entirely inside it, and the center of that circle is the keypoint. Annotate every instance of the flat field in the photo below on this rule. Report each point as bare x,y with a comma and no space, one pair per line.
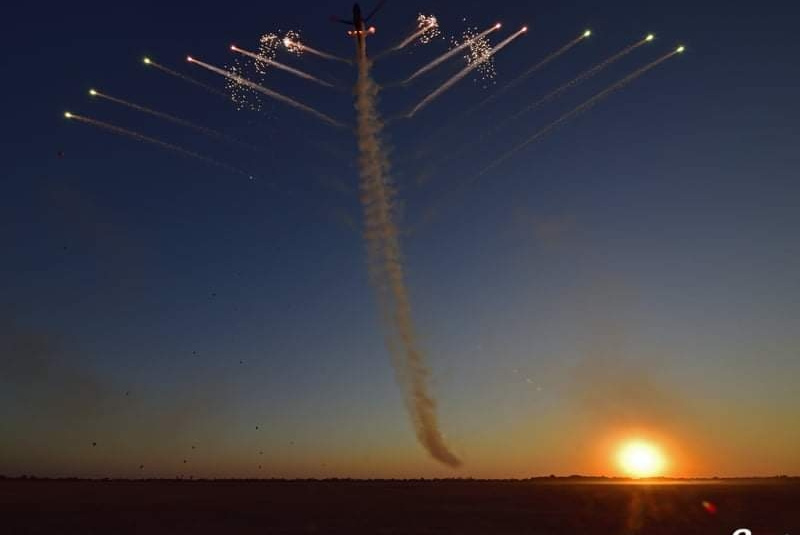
765,507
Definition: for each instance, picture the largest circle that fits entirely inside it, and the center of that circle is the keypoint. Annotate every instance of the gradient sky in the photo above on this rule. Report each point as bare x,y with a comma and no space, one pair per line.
635,273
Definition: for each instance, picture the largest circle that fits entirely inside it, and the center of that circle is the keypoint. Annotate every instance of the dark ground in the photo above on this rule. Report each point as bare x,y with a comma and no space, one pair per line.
768,507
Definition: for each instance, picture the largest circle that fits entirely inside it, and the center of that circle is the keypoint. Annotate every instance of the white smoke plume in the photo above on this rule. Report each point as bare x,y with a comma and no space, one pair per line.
386,267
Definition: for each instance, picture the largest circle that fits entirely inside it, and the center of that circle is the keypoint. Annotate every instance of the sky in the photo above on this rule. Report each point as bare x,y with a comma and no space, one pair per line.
633,274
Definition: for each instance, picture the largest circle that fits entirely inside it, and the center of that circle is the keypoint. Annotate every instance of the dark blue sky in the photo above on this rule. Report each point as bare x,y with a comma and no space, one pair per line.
651,241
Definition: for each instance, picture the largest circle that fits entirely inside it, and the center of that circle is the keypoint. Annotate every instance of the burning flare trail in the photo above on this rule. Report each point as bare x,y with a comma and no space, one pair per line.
114,129
150,63
502,125
425,25
437,132
465,71
386,266
584,76
161,115
580,109
293,44
266,91
450,53
282,66
538,66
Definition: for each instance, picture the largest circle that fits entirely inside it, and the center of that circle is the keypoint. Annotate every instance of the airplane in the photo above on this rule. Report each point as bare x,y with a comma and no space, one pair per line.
359,23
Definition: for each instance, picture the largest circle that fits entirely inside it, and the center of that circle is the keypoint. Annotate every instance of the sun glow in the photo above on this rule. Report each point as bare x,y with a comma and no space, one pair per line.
638,458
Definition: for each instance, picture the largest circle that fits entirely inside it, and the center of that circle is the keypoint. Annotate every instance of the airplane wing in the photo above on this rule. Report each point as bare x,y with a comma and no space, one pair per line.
334,18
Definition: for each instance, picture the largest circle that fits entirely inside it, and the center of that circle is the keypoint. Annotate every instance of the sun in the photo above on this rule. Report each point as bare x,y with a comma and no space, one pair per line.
639,458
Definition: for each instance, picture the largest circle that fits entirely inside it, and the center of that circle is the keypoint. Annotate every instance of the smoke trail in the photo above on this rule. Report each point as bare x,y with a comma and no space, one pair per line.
266,91
437,132
292,44
449,54
165,116
185,78
465,71
282,66
114,129
386,269
433,210
544,62
579,110
583,76
502,125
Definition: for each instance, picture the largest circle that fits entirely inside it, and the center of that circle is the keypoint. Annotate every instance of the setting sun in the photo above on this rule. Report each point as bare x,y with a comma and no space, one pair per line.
641,459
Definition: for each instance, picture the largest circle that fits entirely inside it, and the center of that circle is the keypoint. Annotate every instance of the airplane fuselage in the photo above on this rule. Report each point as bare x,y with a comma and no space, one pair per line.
360,29
358,20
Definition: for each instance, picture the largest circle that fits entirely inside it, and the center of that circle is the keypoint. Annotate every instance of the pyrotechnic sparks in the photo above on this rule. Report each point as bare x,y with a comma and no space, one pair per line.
114,129
430,25
268,46
291,41
161,115
466,70
427,28
452,52
478,52
150,63
264,61
243,96
536,67
579,110
584,75
386,267
266,91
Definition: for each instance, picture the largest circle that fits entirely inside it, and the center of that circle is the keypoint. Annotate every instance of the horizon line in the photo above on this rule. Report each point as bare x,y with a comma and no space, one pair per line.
28,477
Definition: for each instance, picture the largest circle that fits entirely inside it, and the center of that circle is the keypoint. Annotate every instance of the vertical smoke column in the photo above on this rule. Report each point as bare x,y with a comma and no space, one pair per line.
386,268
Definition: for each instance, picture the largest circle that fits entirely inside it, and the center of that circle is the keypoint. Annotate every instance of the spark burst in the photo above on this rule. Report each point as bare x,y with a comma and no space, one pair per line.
242,81
243,96
586,34
477,52
268,46
266,61
427,29
466,70
291,41
449,54
430,28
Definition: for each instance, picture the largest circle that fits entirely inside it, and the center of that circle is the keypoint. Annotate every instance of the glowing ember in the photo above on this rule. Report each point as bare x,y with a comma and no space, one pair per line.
291,41
479,52
430,25
268,47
